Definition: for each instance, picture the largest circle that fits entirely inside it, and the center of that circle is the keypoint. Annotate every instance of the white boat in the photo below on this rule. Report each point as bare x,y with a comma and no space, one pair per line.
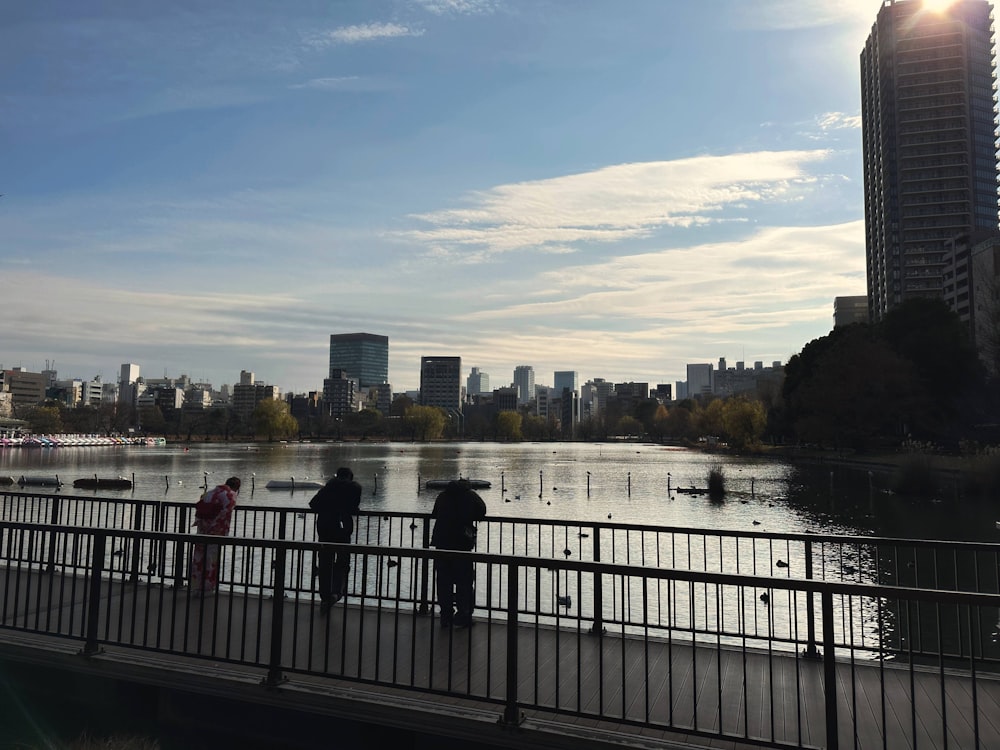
293,484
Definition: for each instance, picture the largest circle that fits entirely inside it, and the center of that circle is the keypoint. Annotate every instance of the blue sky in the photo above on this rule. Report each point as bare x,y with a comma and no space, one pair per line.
617,188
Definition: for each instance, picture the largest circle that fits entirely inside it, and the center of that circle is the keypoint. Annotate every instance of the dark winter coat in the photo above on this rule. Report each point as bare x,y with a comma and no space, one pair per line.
336,504
456,511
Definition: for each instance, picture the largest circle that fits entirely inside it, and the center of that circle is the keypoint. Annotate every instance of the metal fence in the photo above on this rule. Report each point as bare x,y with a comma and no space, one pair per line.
645,645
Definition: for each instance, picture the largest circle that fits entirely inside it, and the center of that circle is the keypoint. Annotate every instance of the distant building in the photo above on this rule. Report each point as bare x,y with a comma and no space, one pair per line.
477,384
128,391
246,397
363,356
699,380
25,388
562,379
928,111
340,394
505,399
664,393
441,382
630,395
524,381
848,310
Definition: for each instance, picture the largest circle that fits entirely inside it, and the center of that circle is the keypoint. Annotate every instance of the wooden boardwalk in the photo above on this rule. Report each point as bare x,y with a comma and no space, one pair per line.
617,689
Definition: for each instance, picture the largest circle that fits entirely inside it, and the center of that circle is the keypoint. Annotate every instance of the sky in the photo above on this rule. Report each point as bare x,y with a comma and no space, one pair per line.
616,188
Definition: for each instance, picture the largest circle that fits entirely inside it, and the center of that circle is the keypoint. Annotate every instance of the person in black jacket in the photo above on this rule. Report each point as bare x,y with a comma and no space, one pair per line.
335,505
456,511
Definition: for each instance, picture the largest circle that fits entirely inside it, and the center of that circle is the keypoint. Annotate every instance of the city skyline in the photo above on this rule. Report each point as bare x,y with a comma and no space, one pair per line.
657,184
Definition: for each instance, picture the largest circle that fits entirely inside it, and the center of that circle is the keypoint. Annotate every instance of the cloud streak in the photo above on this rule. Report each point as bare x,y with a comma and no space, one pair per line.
359,33
612,204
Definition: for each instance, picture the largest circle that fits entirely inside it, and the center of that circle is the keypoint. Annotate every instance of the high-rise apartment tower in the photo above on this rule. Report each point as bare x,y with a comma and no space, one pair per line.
928,119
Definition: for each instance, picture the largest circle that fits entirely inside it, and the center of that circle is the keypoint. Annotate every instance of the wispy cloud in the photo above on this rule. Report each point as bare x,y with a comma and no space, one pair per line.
838,121
458,7
613,204
344,83
366,32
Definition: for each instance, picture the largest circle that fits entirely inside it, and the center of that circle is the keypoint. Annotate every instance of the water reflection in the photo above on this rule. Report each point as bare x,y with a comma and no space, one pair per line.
630,483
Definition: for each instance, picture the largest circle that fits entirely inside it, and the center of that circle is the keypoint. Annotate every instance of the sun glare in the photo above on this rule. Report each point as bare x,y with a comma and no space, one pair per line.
938,6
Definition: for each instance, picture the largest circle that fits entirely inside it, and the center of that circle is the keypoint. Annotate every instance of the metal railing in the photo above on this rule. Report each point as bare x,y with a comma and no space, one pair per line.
679,649
958,566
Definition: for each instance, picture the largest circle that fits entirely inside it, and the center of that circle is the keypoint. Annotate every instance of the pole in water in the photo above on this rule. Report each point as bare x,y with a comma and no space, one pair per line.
539,482
668,484
418,483
751,486
588,484
167,480
375,487
630,484
502,488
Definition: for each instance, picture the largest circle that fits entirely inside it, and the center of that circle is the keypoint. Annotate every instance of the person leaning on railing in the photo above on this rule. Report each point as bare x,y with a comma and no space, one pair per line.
455,513
213,513
335,505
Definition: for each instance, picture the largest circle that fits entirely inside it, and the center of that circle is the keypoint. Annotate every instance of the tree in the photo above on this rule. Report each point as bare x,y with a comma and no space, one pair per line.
272,418
679,422
743,422
425,422
860,390
630,427
45,419
509,426
400,405
708,419
660,419
151,420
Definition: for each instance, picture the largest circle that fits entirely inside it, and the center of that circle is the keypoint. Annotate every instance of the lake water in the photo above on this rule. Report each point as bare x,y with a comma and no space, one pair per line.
572,481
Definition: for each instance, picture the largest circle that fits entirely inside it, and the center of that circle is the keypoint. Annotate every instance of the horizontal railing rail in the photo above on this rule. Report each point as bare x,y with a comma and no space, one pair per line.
533,653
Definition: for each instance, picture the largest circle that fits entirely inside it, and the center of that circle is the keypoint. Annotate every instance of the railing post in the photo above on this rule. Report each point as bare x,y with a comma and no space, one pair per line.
425,570
829,672
137,513
511,714
810,651
181,552
54,515
91,646
274,676
598,627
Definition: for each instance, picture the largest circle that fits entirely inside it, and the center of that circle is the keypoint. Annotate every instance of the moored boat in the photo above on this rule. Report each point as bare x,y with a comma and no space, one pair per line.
103,483
36,481
440,484
293,484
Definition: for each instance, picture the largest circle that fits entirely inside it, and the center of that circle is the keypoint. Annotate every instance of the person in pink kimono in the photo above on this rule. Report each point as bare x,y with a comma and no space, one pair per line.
213,514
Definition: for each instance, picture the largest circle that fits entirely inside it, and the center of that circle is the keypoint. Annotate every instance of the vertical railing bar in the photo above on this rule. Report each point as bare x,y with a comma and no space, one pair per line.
944,694
511,713
99,539
274,676
829,671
